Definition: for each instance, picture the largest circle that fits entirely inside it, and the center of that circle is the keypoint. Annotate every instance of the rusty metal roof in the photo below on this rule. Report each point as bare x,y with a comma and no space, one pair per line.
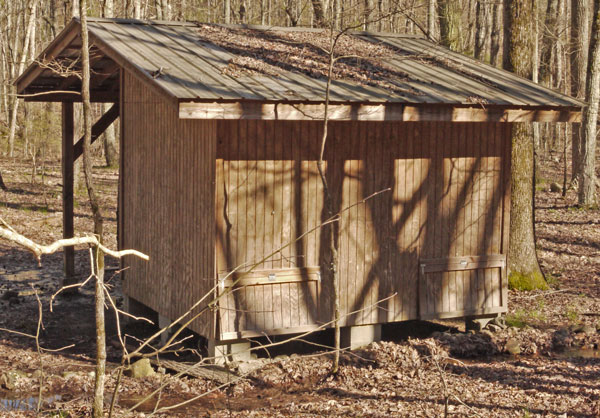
183,62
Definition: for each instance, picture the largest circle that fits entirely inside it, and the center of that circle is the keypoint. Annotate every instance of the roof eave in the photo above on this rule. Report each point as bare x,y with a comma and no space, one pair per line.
400,112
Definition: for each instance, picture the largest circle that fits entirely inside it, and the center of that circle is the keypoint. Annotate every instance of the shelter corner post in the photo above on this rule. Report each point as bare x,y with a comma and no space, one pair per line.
67,193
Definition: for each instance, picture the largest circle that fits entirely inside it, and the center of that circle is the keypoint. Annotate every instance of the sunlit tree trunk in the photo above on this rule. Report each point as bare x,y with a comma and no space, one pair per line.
75,8
518,47
481,29
109,141
549,40
19,69
580,35
368,10
431,16
319,13
98,403
496,36
227,11
450,25
587,188
137,9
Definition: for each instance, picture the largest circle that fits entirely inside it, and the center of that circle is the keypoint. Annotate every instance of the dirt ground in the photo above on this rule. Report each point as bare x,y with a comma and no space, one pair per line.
556,371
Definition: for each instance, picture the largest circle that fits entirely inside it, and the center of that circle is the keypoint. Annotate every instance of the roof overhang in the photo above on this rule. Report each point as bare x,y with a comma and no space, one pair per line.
374,112
54,77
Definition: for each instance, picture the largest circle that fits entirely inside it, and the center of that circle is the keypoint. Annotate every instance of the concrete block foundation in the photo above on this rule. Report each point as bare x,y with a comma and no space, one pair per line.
227,351
359,336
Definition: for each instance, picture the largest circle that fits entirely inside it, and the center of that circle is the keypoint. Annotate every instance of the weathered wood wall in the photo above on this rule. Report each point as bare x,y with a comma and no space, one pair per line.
167,210
448,197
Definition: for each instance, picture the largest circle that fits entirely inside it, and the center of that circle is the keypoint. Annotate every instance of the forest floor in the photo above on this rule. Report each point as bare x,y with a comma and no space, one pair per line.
554,369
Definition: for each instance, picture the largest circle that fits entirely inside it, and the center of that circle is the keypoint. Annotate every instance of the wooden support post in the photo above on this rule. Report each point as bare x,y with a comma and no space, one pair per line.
68,183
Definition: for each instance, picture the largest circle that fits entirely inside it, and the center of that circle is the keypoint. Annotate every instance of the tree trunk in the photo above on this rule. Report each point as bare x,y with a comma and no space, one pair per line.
450,16
481,29
290,10
24,54
496,37
75,8
137,9
319,13
580,35
549,40
337,17
587,188
518,46
109,141
159,9
2,185
431,6
367,19
98,404
227,11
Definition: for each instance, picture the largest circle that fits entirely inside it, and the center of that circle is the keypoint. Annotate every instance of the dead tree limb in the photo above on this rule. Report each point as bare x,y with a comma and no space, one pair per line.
39,250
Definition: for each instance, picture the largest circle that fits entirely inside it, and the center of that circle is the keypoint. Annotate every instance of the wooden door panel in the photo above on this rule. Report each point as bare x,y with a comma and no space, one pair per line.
461,286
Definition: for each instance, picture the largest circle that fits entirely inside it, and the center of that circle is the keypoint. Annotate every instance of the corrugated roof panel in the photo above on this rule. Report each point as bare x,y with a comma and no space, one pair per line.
204,66
138,56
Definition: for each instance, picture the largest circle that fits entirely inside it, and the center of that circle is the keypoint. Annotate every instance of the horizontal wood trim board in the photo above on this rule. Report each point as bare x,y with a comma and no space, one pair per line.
265,277
462,263
227,336
460,314
370,112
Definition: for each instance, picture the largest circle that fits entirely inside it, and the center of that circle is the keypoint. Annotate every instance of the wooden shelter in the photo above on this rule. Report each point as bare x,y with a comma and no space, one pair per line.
220,136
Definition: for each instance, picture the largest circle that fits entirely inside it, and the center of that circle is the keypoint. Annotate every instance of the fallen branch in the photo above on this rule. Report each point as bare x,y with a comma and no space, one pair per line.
39,250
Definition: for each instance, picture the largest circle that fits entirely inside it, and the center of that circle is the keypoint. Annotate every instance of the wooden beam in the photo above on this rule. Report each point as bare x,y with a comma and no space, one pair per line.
372,112
98,129
67,194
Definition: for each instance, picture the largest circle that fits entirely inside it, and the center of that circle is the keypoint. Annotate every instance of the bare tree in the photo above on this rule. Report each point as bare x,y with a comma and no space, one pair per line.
431,16
109,141
137,9
450,23
580,35
227,10
75,8
98,407
587,188
496,37
518,47
481,29
319,13
17,65
549,40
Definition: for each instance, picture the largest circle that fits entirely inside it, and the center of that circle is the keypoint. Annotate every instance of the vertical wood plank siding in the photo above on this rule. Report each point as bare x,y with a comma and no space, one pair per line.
448,197
168,197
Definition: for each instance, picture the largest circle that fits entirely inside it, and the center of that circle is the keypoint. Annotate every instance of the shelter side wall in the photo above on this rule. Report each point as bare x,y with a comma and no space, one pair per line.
464,241
406,192
168,199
